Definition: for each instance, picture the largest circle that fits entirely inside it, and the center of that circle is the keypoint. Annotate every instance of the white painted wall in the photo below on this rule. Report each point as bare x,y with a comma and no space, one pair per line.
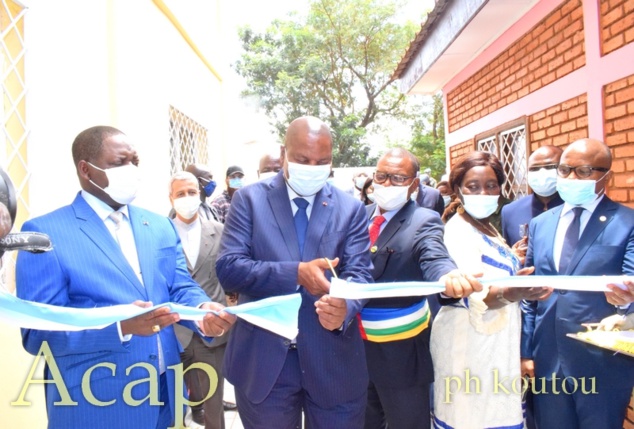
118,63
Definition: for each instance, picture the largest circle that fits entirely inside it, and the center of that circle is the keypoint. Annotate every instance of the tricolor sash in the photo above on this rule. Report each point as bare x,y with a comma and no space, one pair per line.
381,325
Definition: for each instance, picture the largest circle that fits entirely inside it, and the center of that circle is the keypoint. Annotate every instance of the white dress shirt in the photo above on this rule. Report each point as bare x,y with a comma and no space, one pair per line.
190,234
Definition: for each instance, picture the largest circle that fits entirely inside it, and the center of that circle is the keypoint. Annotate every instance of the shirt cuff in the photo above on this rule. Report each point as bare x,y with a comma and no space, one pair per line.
123,338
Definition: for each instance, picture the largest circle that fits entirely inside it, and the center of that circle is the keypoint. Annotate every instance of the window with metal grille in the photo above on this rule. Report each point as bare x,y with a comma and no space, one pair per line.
188,141
509,143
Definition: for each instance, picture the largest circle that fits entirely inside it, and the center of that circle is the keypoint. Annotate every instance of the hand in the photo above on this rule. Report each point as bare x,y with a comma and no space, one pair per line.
519,249
145,324
617,321
618,296
331,312
531,293
311,276
527,368
458,285
214,325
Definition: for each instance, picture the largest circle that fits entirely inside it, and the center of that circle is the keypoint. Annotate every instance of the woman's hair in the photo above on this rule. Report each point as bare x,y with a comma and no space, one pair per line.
364,191
475,159
465,163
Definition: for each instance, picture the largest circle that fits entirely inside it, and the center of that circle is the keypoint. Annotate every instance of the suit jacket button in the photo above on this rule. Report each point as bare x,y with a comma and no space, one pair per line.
562,292
287,343
152,357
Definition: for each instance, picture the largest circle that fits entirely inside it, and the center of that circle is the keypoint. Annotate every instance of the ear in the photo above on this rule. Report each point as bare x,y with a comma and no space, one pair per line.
282,154
83,169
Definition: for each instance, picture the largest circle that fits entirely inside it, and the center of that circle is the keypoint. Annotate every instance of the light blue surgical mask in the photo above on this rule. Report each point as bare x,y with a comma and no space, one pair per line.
543,181
446,199
236,183
577,192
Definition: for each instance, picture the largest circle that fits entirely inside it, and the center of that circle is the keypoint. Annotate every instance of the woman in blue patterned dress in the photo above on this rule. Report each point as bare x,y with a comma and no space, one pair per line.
475,343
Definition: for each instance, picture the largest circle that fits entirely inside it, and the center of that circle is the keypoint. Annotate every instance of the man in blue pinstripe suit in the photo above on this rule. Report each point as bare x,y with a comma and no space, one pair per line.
106,252
266,250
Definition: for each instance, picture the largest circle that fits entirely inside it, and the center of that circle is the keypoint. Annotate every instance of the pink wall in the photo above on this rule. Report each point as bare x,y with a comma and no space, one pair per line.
591,78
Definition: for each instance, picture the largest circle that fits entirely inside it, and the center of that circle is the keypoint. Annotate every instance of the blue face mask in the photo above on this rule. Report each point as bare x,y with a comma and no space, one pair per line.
236,183
577,192
209,188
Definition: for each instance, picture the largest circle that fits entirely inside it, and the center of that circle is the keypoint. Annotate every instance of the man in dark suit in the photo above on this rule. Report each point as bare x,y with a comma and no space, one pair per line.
578,385
515,216
409,247
200,239
107,252
430,198
206,187
542,178
275,241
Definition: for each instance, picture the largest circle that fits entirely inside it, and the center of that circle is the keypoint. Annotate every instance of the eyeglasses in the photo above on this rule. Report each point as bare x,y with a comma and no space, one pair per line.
545,167
581,171
395,179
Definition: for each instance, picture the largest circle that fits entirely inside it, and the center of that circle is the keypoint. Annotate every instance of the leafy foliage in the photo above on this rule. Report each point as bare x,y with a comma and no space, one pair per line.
336,63
428,142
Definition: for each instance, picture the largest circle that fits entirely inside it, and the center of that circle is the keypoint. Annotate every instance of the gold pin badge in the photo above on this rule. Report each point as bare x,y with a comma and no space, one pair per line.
373,249
603,218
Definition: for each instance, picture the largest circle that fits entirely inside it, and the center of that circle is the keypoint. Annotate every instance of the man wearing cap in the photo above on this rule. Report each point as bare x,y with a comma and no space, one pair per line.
234,181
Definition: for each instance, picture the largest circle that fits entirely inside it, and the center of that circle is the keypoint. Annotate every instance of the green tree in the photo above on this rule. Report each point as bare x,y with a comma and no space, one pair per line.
428,142
336,63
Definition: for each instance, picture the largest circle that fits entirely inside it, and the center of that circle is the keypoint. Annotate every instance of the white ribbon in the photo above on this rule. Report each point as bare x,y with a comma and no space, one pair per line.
349,290
277,314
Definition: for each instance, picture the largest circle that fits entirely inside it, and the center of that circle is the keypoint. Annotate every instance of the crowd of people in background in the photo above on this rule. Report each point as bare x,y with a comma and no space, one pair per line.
446,361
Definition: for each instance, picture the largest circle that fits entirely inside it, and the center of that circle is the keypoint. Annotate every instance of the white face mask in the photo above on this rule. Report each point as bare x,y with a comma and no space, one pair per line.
390,198
446,199
371,198
480,206
123,182
543,182
307,180
187,207
360,181
267,175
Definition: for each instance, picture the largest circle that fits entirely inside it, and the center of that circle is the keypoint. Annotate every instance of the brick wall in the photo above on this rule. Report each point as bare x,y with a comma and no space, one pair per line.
619,135
458,150
559,125
617,24
550,50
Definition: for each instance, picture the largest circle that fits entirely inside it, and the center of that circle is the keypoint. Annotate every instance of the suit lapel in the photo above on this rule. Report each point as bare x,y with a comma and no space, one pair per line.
319,218
94,228
281,207
207,246
141,229
601,217
394,224
549,230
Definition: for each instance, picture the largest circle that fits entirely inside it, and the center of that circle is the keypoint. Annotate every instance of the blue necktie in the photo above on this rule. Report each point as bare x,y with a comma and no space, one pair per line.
301,222
571,239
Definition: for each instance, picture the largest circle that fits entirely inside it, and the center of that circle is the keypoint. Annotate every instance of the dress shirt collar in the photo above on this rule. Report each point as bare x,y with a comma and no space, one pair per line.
292,195
590,207
387,215
186,226
538,205
102,209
